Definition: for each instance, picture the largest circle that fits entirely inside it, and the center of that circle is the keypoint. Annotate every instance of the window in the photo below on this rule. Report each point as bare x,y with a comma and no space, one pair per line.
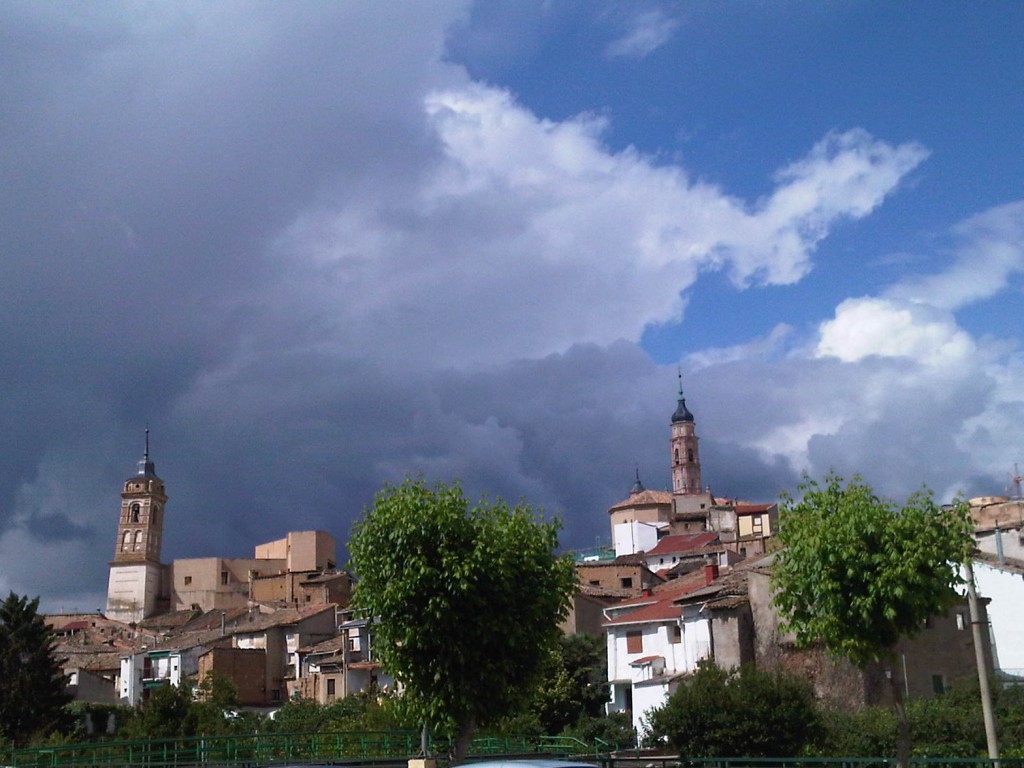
330,686
634,641
224,577
275,694
135,513
939,681
126,543
961,621
675,634
626,582
188,580
137,540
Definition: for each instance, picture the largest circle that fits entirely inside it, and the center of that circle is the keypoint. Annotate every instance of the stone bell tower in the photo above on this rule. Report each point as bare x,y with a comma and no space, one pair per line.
136,573
683,444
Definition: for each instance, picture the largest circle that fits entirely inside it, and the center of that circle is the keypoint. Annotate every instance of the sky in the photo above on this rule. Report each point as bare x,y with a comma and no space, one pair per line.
317,247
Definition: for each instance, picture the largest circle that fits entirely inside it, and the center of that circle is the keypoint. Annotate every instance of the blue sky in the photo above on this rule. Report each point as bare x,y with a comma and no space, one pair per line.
319,246
733,91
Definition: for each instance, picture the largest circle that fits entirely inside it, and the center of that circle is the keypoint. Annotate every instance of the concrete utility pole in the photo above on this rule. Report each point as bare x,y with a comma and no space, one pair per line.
979,654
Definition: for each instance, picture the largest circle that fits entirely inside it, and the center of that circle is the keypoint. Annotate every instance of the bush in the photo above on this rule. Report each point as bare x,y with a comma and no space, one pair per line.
869,732
950,725
615,729
747,712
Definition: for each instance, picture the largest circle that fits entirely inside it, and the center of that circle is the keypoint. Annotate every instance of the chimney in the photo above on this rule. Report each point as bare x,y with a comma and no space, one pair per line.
710,572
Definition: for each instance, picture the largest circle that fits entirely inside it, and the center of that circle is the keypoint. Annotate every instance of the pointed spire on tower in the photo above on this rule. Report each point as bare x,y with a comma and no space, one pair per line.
638,487
147,467
682,412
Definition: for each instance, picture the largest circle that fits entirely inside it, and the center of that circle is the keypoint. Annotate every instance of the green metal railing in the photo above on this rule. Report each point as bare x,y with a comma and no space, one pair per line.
646,760
380,748
277,748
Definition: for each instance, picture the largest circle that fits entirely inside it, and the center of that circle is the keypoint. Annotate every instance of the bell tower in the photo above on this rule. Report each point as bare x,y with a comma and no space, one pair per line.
136,573
683,444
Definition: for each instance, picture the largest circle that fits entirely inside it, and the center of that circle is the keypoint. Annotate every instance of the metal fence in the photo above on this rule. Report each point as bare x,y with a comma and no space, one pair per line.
352,748
394,748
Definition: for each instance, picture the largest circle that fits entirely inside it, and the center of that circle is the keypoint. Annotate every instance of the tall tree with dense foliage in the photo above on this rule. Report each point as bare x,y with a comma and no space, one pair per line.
858,572
466,600
32,683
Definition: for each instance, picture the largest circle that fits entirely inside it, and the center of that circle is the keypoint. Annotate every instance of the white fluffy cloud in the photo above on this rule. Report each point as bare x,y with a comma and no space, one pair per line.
990,254
646,32
889,328
530,235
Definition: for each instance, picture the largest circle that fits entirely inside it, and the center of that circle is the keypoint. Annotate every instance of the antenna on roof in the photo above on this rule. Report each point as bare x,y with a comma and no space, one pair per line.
1015,479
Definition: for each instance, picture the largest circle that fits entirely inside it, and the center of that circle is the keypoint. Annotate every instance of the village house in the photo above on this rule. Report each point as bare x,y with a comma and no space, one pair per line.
341,666
999,573
256,651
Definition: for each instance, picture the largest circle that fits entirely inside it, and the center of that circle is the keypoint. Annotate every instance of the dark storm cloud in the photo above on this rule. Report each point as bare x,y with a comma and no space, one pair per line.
314,257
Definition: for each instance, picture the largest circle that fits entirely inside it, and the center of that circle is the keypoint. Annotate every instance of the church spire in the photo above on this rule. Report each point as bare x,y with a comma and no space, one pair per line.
146,467
685,452
638,487
682,412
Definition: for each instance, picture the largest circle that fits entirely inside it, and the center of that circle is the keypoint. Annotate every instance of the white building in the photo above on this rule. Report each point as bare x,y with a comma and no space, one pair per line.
1003,584
651,644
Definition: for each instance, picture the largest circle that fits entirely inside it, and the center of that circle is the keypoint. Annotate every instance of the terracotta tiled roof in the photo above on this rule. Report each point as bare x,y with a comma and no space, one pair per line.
644,660
596,590
750,509
683,542
212,619
326,646
71,626
89,657
643,499
727,591
279,618
169,621
364,665
1007,564
659,604
660,610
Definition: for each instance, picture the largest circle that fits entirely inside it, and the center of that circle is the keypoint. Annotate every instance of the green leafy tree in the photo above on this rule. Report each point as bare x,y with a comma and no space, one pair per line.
466,599
165,714
744,712
858,572
32,683
574,685
214,709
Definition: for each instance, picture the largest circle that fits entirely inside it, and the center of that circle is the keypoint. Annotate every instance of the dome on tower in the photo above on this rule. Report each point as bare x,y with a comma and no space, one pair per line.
682,412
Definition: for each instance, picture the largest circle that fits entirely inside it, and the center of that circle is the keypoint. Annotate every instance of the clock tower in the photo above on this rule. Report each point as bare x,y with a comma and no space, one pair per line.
136,573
